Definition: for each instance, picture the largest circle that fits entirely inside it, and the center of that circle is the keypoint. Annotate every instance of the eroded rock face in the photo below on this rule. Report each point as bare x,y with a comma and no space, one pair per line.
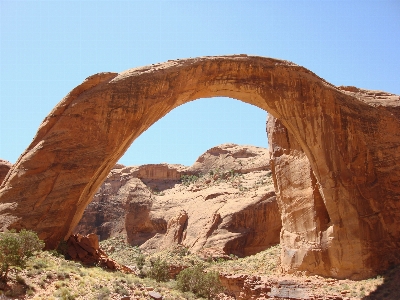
306,228
86,250
225,210
311,241
350,136
5,166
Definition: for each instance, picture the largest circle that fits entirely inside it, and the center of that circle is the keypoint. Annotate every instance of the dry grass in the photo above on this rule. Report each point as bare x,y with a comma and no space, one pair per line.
263,263
267,264
52,277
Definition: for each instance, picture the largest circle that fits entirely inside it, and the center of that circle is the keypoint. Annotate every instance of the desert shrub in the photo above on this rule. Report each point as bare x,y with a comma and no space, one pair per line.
20,279
40,264
188,179
64,294
104,293
198,282
16,248
140,261
119,288
159,270
181,251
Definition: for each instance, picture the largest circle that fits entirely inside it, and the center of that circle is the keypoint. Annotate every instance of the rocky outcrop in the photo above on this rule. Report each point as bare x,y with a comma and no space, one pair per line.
248,287
160,171
319,236
306,228
242,159
5,166
86,250
350,137
219,209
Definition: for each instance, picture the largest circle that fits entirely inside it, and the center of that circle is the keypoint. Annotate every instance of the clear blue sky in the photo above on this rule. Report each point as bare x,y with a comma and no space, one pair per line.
49,47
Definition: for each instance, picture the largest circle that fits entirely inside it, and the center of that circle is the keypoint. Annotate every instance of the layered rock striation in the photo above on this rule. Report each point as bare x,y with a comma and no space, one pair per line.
225,204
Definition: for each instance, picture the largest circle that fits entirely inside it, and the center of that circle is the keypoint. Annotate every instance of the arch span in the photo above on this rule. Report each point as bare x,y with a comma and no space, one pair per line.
349,140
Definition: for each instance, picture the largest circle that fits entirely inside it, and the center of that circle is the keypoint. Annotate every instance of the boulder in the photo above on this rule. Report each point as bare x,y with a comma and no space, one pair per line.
86,250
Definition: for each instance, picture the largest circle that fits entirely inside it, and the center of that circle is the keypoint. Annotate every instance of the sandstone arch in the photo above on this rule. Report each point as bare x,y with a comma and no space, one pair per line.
349,139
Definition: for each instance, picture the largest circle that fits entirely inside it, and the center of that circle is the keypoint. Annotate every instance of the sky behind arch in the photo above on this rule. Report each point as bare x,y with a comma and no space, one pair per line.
49,47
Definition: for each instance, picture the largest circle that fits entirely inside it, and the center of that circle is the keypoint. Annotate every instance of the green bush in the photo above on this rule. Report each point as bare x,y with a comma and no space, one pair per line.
16,248
159,270
140,262
188,179
104,293
198,282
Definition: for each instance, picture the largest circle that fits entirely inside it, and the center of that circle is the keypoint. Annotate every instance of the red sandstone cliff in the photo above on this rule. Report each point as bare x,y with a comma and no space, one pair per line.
231,208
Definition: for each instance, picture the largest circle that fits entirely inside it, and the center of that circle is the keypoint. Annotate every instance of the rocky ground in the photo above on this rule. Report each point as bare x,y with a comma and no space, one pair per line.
259,276
49,276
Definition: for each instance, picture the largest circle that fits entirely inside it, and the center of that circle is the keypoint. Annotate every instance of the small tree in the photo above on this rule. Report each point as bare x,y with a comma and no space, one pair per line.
159,270
140,262
16,248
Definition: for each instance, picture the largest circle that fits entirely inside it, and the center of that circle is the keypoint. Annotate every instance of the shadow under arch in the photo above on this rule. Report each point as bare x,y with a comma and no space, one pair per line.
343,136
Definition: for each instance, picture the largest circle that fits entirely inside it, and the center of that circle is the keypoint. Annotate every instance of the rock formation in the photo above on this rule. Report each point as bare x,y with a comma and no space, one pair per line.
229,209
5,166
350,137
86,250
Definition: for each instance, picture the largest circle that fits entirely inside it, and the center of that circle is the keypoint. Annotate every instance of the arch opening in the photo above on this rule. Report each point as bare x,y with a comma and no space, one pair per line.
192,128
352,166
241,236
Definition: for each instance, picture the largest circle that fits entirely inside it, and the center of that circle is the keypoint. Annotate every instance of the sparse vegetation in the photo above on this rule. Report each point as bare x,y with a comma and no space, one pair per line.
188,179
49,276
158,270
200,283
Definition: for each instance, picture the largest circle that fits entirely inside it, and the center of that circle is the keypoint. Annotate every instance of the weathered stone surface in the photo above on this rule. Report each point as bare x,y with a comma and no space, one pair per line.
242,159
86,250
350,136
305,219
310,240
248,287
155,295
5,166
224,211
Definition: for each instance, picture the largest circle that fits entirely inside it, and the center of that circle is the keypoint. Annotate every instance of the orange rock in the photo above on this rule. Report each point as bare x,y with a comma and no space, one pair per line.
195,216
175,228
86,250
5,166
351,139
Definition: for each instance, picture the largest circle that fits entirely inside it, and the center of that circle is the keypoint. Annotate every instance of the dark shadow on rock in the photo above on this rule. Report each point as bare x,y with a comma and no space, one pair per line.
159,185
390,289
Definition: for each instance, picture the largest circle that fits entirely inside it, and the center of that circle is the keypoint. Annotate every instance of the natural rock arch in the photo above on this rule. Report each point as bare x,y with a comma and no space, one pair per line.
349,140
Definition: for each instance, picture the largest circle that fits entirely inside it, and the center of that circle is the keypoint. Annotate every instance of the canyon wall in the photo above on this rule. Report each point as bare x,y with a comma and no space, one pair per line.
228,208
